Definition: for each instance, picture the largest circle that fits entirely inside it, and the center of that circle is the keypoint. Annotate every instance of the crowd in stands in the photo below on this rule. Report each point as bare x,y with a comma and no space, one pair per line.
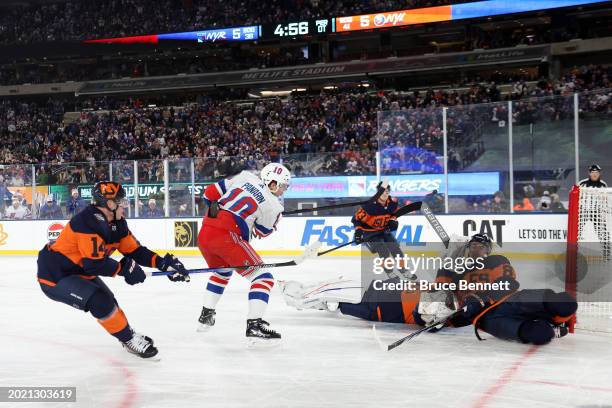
330,133
82,20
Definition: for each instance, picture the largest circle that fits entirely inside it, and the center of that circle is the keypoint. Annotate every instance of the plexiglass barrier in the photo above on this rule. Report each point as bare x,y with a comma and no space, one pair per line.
512,156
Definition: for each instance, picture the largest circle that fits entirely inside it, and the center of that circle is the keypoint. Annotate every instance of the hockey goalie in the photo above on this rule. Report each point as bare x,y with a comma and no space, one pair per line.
532,316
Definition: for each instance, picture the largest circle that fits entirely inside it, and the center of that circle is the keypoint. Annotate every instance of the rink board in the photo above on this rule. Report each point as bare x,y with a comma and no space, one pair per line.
180,235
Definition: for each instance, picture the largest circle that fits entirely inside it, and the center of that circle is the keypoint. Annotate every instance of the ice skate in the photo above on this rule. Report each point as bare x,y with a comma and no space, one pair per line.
258,333
206,319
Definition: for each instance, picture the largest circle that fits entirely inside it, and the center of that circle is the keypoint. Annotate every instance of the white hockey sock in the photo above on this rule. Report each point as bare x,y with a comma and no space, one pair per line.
215,288
261,285
257,308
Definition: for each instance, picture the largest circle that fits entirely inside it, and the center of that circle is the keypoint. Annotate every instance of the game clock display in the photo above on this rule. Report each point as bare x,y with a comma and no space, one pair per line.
303,28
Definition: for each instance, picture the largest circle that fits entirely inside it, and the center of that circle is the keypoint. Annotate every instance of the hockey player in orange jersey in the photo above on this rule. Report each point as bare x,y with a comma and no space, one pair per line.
533,316
70,268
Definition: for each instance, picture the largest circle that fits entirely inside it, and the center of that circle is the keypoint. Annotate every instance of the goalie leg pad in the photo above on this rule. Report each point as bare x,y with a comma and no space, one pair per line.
322,295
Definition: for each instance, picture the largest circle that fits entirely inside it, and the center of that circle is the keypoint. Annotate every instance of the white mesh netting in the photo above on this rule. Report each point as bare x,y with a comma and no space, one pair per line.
594,265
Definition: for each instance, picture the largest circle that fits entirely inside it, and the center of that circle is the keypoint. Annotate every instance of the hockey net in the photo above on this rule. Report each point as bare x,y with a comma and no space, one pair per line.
588,262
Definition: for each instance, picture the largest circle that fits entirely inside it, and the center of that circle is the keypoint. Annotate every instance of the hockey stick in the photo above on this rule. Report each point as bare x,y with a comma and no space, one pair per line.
413,334
335,248
334,206
309,252
435,223
326,207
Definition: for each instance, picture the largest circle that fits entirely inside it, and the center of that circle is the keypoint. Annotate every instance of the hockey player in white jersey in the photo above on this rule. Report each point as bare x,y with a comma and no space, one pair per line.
238,208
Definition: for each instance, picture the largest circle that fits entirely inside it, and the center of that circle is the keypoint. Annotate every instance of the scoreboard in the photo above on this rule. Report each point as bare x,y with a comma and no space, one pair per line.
329,25
321,26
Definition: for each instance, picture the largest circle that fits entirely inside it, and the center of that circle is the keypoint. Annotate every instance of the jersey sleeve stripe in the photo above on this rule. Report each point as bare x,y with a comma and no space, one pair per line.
46,282
263,229
222,186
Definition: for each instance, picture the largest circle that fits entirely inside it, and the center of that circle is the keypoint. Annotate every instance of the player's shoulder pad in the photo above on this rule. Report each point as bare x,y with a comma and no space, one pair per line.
247,175
121,229
583,181
90,221
493,261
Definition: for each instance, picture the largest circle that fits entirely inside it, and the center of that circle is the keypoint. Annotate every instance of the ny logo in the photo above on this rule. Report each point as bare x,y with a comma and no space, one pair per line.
109,189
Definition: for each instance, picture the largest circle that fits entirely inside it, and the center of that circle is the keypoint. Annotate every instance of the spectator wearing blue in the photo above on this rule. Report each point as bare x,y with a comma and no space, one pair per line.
75,204
152,211
50,211
5,194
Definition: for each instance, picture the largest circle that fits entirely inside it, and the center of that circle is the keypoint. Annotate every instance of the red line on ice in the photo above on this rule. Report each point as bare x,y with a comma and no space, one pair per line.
129,396
505,378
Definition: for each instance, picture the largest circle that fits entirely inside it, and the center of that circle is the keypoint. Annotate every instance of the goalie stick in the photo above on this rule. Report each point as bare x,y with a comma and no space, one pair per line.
413,334
309,252
435,224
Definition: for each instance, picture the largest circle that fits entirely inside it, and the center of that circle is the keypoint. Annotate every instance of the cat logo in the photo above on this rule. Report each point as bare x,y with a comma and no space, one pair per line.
3,235
185,233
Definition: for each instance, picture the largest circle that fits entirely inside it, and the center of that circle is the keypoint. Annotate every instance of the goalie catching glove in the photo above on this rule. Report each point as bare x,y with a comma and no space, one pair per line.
180,274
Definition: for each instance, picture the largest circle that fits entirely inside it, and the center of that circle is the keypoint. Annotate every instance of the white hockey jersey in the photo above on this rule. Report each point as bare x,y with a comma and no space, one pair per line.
19,213
256,210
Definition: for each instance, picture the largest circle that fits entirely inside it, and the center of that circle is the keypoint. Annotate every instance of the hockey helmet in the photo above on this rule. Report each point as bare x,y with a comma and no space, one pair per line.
104,191
275,172
482,239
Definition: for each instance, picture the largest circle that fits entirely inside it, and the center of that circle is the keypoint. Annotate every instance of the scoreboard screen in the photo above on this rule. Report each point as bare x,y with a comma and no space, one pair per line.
295,29
477,9
387,19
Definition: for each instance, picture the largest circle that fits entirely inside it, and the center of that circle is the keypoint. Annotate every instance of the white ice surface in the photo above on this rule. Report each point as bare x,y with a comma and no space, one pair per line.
326,360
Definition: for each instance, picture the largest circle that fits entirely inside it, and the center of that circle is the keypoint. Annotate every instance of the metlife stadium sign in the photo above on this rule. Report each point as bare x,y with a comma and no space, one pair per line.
405,185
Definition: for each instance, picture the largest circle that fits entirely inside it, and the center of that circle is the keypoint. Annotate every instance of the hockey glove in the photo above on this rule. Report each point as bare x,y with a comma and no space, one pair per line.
131,271
381,187
180,274
358,236
392,225
213,209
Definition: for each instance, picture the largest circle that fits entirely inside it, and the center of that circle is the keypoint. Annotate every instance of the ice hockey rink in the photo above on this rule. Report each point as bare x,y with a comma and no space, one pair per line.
325,360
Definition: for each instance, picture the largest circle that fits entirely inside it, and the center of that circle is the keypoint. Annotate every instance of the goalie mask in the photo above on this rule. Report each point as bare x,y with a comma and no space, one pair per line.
480,240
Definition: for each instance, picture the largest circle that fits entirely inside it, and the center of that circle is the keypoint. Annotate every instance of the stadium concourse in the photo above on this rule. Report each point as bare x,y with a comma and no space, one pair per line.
325,360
